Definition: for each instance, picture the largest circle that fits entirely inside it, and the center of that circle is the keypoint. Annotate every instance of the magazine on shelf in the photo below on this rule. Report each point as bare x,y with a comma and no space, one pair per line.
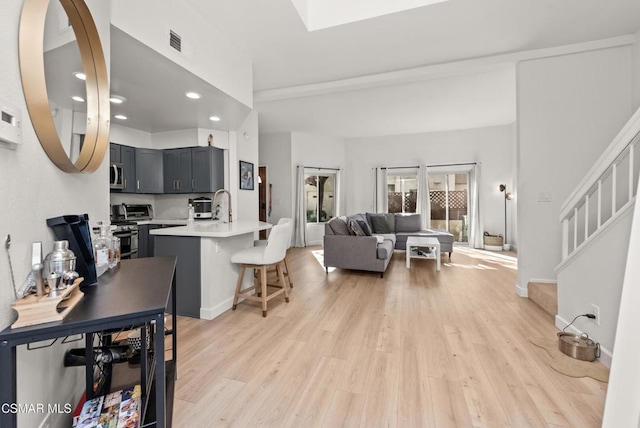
119,409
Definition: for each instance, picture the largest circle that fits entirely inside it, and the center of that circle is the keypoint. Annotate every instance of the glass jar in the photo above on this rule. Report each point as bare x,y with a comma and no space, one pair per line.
101,249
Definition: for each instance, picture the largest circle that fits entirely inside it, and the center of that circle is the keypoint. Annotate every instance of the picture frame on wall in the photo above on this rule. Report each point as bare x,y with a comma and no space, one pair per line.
246,175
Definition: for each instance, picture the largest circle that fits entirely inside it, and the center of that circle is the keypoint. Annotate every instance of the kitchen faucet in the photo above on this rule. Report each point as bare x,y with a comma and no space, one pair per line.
215,195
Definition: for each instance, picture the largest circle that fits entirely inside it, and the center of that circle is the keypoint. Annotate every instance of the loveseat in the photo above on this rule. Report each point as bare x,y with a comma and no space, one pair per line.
367,241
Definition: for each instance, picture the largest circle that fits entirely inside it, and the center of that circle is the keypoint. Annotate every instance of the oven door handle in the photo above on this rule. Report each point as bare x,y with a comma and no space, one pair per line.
129,234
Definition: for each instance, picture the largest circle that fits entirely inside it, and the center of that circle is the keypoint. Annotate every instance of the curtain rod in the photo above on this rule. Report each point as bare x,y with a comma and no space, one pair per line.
317,167
453,164
399,167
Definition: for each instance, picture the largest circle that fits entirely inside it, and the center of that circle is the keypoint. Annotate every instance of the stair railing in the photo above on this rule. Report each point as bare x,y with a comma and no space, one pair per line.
607,191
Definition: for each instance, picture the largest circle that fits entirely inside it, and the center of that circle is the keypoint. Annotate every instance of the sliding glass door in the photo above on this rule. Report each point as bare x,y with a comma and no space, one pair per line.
449,203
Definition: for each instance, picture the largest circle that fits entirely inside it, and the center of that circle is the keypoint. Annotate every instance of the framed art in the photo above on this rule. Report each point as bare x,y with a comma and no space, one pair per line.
246,175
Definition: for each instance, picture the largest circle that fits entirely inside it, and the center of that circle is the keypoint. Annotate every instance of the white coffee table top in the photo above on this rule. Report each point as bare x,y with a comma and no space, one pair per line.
421,241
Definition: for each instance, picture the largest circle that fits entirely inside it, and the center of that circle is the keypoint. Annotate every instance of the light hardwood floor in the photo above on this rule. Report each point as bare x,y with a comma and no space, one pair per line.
418,348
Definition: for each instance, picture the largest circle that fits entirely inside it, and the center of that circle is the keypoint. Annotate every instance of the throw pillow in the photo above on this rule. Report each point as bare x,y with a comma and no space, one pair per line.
380,224
365,227
339,226
407,222
355,228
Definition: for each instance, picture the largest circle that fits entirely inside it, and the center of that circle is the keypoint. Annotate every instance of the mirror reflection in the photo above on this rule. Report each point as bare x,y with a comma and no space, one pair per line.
66,87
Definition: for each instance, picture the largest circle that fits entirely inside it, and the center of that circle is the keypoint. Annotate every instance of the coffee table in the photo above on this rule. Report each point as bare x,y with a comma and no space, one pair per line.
415,243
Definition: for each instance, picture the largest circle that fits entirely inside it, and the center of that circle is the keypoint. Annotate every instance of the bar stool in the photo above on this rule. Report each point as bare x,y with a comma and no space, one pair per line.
263,242
262,258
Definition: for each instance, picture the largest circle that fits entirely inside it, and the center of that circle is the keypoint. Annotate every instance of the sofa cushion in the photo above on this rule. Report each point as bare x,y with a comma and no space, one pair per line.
407,223
385,250
365,227
387,236
355,228
382,223
339,226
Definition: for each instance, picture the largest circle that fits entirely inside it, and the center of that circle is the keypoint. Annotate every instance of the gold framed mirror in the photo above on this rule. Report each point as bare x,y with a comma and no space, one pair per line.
32,71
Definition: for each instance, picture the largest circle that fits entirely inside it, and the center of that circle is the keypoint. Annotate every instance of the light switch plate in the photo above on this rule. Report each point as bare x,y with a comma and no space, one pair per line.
10,125
544,197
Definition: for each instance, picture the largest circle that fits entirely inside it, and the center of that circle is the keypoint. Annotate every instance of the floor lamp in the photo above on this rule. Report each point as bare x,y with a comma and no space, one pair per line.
507,196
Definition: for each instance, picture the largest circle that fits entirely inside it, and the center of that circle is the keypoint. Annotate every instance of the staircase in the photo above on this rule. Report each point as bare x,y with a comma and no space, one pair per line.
544,295
596,223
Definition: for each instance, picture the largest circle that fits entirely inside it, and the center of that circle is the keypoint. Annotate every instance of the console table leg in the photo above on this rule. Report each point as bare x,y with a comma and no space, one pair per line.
8,387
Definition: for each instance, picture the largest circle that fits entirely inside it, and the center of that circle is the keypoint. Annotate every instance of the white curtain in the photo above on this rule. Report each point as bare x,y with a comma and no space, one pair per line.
300,220
379,196
338,192
424,202
475,219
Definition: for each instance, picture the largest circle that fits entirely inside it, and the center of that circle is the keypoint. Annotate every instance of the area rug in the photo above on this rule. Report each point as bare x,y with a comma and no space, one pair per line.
570,366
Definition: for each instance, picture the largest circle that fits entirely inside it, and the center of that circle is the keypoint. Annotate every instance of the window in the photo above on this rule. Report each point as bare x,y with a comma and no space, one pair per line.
319,193
402,190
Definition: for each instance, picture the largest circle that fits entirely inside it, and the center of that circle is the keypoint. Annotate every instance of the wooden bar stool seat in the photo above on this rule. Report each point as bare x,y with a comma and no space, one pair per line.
262,258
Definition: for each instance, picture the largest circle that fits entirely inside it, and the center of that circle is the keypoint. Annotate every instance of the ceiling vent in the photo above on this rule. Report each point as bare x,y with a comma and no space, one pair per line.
175,41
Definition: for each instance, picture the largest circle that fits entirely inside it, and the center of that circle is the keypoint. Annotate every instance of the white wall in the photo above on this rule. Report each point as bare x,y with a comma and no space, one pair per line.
569,109
150,21
316,151
244,147
622,407
491,146
636,72
32,190
275,154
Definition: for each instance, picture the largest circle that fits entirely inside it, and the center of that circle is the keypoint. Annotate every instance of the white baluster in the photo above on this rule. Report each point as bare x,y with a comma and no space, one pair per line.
575,228
586,216
565,238
599,204
614,188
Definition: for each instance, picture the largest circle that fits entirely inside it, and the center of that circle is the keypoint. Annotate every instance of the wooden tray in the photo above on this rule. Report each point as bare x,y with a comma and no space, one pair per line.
34,310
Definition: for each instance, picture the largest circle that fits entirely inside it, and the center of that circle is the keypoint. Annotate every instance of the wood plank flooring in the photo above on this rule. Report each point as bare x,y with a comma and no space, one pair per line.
417,348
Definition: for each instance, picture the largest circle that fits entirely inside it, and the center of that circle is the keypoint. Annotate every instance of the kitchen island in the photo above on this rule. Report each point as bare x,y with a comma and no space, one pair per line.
206,278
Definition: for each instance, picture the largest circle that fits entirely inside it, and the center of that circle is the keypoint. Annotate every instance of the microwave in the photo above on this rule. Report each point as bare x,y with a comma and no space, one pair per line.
116,176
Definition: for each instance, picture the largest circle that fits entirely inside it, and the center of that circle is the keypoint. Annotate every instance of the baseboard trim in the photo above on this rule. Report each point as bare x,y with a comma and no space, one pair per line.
522,291
544,281
219,309
605,355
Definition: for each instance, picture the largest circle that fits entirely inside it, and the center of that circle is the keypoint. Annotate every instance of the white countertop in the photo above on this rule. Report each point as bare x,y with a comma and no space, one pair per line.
213,228
168,221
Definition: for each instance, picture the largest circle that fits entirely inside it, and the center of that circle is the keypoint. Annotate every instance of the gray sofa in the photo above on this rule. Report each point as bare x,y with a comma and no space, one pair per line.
367,241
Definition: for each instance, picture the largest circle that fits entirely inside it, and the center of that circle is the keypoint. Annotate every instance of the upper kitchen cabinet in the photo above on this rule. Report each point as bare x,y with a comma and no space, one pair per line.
207,169
177,170
149,171
125,156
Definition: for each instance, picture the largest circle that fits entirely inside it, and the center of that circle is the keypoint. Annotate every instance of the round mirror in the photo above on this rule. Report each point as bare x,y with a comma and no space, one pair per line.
80,140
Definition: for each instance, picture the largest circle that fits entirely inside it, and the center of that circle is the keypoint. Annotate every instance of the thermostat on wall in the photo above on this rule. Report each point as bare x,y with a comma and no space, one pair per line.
10,119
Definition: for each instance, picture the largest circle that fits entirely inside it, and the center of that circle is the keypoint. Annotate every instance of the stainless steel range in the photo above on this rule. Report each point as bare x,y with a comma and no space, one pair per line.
125,218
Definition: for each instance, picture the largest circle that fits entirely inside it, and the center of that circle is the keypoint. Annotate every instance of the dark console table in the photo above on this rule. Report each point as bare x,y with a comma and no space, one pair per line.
135,293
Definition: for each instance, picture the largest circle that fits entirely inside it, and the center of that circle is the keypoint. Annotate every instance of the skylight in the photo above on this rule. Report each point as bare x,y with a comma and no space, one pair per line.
319,14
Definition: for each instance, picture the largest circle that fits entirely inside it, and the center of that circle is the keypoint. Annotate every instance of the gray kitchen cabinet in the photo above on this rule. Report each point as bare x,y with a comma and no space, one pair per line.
149,171
177,170
207,169
125,156
128,161
114,153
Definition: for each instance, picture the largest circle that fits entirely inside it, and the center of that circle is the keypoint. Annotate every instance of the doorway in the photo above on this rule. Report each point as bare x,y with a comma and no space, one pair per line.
449,199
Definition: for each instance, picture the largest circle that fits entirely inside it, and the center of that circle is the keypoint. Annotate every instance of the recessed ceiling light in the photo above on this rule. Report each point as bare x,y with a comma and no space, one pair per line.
79,75
193,95
214,118
77,98
117,99
120,117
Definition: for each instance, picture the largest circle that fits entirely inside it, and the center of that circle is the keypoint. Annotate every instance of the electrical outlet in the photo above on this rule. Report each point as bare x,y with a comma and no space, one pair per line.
595,310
